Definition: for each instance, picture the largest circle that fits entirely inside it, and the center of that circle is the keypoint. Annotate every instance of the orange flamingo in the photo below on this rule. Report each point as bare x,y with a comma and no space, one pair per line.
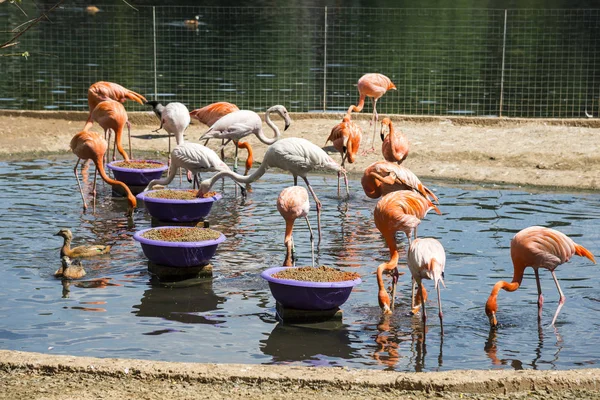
87,145
292,203
427,260
210,114
101,91
398,211
346,137
383,177
395,145
111,115
536,247
373,86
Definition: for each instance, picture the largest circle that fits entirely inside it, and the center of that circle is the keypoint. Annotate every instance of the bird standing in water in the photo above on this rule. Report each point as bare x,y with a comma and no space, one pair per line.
395,145
536,247
292,203
210,114
346,137
88,145
397,211
373,86
295,155
88,250
427,260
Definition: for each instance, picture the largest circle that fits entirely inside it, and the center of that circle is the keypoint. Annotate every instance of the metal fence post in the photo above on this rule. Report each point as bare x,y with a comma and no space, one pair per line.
325,66
155,67
502,70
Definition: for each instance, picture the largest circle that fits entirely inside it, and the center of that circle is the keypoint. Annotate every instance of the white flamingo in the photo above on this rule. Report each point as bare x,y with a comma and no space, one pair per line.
195,158
174,118
295,155
242,123
427,260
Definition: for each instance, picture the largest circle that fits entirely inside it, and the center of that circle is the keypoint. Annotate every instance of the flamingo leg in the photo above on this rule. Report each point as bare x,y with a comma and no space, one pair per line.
222,149
293,252
384,297
114,158
395,276
79,183
562,299
423,312
94,190
441,314
318,204
540,296
312,241
129,134
375,119
412,294
235,160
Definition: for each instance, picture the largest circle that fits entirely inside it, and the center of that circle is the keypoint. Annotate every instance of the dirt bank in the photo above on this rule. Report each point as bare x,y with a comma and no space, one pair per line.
548,153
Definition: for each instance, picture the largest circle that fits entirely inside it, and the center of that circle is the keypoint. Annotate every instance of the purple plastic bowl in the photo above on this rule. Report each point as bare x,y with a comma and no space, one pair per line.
178,210
177,254
137,177
302,295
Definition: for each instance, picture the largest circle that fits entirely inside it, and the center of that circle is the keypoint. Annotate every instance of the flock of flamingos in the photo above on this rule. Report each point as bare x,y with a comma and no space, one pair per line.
404,201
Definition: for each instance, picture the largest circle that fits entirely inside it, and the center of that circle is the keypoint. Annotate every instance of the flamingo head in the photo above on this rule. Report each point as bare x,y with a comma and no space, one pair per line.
490,309
385,122
204,188
384,301
391,86
283,112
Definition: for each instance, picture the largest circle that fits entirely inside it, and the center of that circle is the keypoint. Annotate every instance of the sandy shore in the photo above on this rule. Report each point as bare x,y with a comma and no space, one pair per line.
544,153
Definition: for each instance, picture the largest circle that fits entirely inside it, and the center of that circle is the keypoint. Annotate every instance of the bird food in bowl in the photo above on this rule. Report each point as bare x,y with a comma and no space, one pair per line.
137,172
308,288
179,246
178,205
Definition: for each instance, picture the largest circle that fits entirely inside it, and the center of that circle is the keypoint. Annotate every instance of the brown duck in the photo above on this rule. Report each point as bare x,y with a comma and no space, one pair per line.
90,250
70,269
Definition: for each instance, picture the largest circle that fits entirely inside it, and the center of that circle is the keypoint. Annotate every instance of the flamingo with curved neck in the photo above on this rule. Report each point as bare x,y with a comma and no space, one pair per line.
295,155
383,177
536,247
395,145
88,145
292,204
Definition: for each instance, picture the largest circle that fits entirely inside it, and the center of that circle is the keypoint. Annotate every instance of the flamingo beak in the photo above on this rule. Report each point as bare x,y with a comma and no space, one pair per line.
287,125
493,320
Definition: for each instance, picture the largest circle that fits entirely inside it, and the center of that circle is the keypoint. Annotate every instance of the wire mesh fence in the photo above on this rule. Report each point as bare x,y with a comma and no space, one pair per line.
480,62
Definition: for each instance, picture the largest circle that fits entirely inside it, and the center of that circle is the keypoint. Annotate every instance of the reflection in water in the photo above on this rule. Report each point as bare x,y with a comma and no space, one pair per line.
314,344
182,304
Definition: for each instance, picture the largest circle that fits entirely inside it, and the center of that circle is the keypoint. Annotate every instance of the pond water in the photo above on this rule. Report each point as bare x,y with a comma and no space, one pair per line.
118,310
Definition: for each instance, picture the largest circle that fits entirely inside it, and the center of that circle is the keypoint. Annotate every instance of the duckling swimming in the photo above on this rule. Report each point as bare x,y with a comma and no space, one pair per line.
90,250
70,269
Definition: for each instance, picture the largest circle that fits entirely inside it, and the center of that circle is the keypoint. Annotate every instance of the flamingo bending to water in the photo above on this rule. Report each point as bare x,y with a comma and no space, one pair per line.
101,91
395,145
346,137
210,114
383,177
536,247
373,86
239,124
111,116
427,260
292,203
295,155
88,145
397,211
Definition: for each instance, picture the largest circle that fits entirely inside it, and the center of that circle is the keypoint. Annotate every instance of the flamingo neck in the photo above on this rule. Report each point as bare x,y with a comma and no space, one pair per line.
261,136
166,180
207,184
361,103
100,167
491,305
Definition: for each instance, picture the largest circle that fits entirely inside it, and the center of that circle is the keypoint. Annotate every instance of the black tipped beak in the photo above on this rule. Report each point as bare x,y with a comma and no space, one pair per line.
287,125
382,136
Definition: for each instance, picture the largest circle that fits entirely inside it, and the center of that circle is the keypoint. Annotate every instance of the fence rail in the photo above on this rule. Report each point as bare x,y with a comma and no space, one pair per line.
480,62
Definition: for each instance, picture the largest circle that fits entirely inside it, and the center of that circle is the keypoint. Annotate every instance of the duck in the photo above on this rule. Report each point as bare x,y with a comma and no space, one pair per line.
79,251
70,269
192,22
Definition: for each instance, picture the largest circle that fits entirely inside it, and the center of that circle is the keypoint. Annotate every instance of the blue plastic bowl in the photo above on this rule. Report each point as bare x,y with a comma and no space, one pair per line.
137,177
178,254
301,295
178,210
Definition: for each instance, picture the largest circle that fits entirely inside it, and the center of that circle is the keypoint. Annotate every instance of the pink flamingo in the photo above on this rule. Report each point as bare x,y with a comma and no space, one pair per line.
101,91
536,247
292,203
111,116
397,211
296,155
346,137
383,177
87,145
373,86
395,145
427,260
210,114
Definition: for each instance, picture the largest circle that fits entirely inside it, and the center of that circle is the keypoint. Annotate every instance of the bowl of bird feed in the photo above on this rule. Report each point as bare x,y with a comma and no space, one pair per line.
137,172
174,246
308,288
178,205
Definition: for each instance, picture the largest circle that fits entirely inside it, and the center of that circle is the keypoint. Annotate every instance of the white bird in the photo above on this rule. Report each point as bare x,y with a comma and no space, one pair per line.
195,158
174,118
427,260
295,155
242,123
